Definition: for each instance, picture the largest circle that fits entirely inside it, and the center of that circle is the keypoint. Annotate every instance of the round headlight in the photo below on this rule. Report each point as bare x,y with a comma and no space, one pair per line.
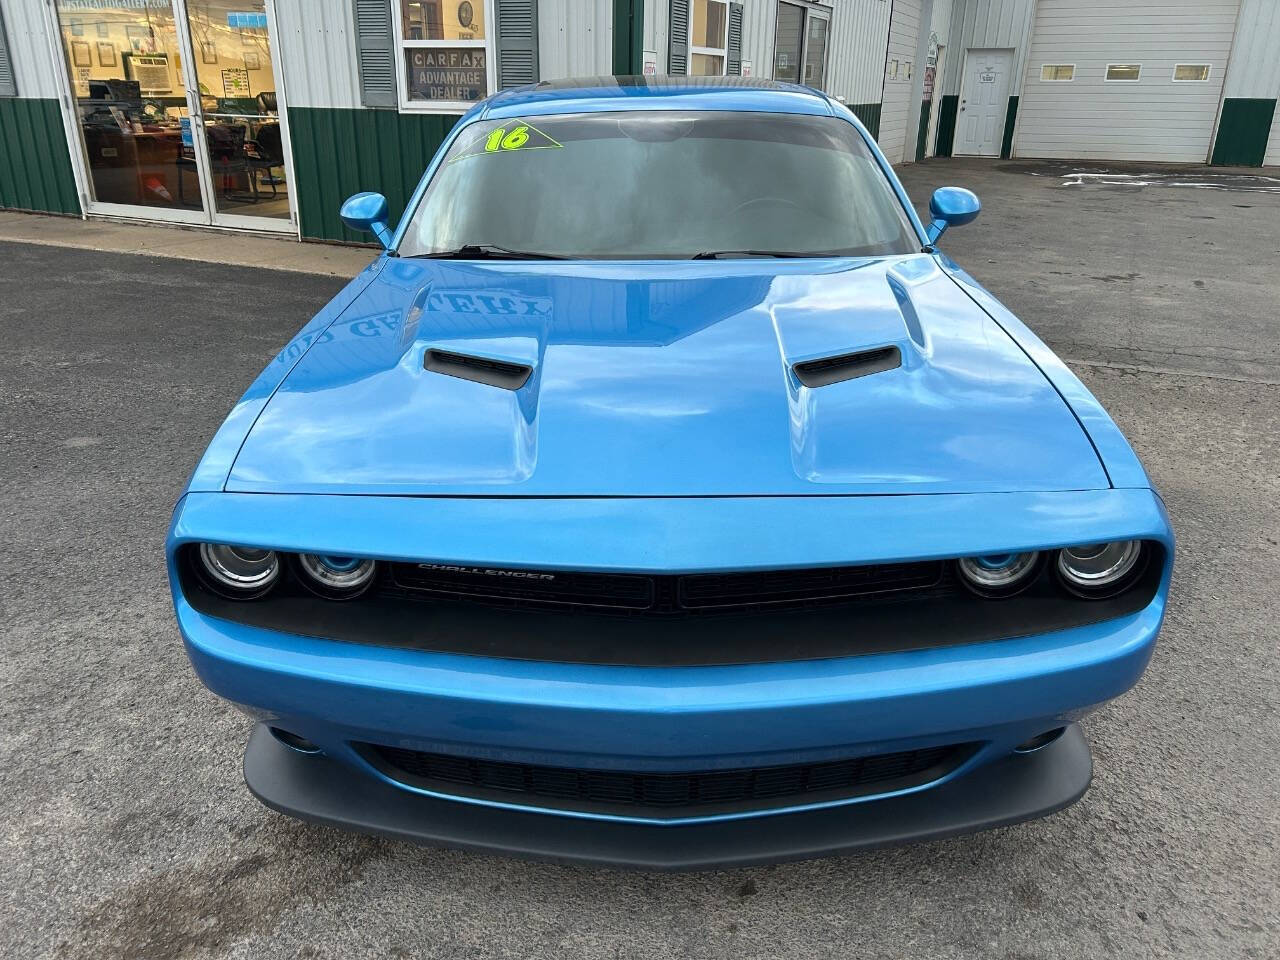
998,574
1100,569
239,572
336,577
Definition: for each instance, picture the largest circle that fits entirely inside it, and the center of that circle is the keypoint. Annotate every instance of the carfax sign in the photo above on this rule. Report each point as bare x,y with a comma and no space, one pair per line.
447,73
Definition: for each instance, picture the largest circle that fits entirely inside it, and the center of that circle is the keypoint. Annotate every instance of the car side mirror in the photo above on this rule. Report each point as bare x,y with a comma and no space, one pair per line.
367,212
951,207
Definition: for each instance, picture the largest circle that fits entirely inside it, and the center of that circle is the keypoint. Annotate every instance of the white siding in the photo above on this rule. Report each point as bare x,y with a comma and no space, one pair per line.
855,62
575,38
986,25
759,23
904,34
317,44
1150,119
29,49
1254,70
656,16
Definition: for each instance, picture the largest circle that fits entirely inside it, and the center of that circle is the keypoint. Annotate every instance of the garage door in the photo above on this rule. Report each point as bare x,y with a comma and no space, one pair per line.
1114,81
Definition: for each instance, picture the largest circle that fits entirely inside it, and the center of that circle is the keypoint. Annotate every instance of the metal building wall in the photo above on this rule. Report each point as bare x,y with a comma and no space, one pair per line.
904,36
1254,70
987,24
317,44
33,63
575,38
1252,87
759,23
35,160
656,16
855,62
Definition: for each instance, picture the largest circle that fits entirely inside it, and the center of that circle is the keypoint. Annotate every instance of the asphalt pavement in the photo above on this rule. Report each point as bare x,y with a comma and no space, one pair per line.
126,831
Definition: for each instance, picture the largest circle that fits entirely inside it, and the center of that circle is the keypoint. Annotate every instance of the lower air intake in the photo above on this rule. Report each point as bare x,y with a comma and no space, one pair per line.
667,795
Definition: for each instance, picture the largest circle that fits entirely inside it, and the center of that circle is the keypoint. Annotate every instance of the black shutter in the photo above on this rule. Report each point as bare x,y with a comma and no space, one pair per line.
517,42
374,46
734,66
678,44
8,87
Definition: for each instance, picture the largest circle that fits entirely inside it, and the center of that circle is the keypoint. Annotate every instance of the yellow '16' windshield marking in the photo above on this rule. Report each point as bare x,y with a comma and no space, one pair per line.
507,139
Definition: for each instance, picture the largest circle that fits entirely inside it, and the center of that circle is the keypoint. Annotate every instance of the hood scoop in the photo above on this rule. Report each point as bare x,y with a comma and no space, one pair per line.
495,373
847,366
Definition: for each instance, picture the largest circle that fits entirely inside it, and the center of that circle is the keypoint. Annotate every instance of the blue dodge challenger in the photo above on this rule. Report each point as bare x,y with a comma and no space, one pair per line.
662,496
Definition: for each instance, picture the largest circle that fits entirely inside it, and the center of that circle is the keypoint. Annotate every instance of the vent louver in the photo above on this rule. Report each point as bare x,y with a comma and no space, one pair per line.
495,373
847,366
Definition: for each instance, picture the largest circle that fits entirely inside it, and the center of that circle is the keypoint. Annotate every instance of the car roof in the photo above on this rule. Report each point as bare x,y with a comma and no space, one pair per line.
594,94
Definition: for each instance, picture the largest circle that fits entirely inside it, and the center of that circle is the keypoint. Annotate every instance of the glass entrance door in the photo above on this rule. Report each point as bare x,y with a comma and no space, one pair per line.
175,109
238,111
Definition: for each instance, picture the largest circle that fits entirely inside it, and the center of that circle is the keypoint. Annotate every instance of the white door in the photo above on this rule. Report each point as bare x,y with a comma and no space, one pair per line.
984,100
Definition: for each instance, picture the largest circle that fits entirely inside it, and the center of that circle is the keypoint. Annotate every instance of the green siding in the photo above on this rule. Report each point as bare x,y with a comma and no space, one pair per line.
1243,129
869,114
1010,115
35,164
922,138
947,125
628,37
340,152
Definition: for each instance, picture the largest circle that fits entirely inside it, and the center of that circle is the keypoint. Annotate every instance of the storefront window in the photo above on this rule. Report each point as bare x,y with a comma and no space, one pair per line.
195,140
708,51
445,50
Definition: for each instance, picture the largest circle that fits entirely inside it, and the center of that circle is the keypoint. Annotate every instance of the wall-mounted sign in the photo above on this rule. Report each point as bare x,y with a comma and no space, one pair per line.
986,78
447,73
235,82
748,70
649,63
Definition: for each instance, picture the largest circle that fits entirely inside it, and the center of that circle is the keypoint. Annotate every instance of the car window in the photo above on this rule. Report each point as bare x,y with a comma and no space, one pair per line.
661,185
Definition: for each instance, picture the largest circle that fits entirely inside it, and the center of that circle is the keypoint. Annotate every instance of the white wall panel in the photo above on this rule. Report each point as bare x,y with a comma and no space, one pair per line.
29,49
855,63
1152,118
987,25
904,36
1254,70
317,43
575,38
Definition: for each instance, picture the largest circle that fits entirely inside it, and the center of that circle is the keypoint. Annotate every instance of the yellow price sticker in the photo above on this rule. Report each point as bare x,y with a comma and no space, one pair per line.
507,139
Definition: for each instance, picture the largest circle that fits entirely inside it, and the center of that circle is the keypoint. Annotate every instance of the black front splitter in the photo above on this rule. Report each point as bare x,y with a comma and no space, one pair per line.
1018,787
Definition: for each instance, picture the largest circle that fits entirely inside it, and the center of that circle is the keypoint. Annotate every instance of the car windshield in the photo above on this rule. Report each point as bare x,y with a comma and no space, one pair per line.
659,185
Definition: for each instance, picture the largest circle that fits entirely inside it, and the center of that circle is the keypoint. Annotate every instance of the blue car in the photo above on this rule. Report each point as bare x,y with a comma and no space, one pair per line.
662,496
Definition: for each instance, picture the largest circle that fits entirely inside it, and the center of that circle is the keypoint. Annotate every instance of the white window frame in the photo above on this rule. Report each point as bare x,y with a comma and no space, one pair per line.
810,9
1070,79
721,52
488,44
1107,79
1208,71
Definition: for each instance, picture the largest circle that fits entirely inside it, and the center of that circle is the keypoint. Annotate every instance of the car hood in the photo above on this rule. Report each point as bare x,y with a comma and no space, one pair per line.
662,379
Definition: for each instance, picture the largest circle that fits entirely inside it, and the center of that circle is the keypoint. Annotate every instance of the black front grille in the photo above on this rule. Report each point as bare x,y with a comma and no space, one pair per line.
692,593
667,795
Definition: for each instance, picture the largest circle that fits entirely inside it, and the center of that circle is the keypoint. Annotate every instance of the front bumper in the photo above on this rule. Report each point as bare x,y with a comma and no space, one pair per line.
1015,788
671,719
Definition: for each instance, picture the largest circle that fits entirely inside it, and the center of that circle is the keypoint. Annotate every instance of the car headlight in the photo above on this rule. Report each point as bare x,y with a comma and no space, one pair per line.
239,572
1000,574
1100,569
337,578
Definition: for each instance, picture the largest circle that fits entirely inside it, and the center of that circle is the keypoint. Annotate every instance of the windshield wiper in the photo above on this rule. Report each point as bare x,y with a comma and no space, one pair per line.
745,254
486,251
